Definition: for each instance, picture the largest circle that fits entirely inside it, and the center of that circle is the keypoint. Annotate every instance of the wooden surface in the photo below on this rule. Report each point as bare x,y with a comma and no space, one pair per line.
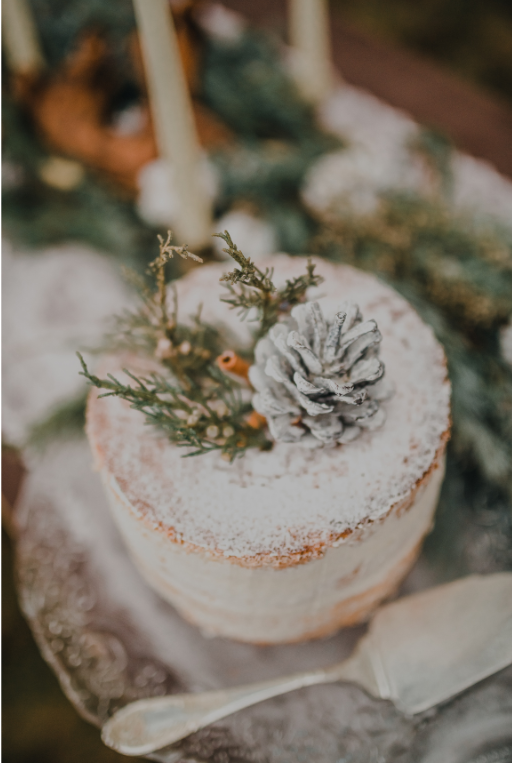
477,123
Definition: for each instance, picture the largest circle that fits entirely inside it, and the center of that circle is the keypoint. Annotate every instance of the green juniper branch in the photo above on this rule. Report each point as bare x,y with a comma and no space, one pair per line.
197,405
250,288
214,419
185,350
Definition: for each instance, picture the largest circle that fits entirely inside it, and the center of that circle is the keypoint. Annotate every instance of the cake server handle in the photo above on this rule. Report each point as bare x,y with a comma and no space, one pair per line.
150,724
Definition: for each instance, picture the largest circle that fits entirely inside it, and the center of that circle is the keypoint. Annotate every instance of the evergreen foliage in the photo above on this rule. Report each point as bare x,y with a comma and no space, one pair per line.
250,288
462,267
188,397
202,421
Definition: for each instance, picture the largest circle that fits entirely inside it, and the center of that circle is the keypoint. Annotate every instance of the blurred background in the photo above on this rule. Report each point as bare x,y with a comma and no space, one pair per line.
471,39
412,55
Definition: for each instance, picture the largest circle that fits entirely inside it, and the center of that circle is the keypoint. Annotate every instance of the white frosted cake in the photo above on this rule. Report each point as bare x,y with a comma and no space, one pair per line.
291,543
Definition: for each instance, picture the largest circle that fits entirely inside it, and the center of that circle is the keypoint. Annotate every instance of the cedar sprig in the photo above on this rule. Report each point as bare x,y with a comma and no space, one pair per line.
143,328
191,399
196,404
202,420
157,268
249,274
154,328
186,350
253,289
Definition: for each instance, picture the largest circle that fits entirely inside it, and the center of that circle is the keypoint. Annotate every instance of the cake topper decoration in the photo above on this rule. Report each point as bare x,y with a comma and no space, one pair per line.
304,378
314,376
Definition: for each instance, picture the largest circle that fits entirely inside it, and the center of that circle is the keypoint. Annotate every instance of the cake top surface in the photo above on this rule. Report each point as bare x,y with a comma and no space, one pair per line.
281,502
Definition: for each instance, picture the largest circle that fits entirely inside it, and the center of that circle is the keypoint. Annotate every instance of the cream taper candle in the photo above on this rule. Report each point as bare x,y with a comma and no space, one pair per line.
174,120
310,40
20,38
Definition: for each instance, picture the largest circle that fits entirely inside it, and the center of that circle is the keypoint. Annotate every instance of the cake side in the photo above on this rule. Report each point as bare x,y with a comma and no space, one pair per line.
266,604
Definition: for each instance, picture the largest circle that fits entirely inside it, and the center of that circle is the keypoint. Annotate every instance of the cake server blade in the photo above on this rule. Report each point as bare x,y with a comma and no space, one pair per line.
426,648
419,651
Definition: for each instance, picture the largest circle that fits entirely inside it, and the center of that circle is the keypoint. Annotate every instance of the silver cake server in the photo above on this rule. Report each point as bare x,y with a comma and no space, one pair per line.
418,652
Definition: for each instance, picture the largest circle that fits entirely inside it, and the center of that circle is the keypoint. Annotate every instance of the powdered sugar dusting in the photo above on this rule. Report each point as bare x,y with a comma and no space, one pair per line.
289,498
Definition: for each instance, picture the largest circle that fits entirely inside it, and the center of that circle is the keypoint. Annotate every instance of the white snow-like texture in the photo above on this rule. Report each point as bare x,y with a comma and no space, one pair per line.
315,379
158,199
478,188
255,237
281,501
352,112
56,301
220,23
376,160
353,179
379,159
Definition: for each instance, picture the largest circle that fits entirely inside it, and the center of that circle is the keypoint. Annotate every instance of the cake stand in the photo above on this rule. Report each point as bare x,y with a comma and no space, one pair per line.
111,640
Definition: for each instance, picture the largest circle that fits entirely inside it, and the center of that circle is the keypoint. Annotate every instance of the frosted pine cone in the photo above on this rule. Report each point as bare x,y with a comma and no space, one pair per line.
317,377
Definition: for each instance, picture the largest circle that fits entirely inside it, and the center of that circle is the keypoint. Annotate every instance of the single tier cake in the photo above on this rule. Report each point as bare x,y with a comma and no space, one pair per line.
295,542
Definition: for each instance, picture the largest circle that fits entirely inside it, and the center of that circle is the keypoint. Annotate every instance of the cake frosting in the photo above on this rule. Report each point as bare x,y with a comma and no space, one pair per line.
231,530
